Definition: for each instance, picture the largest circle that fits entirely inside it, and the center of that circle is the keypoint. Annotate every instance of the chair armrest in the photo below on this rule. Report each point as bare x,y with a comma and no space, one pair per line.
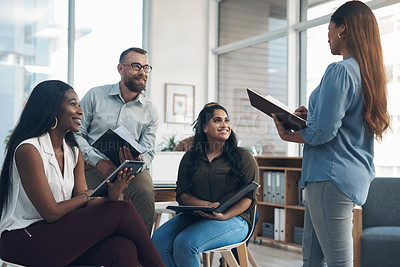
357,230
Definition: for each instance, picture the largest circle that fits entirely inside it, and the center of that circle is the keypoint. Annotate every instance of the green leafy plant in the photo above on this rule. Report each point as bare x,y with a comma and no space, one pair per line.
7,137
170,143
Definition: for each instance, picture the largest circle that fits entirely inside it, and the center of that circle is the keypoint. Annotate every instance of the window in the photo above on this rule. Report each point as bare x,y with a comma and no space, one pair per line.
34,47
261,66
319,57
252,52
101,37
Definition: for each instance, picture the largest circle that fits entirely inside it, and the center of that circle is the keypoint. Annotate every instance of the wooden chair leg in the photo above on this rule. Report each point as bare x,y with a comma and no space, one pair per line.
206,259
224,264
229,258
157,219
243,255
251,258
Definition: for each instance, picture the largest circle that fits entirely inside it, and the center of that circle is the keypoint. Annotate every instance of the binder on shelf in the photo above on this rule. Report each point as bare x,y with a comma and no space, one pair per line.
265,194
282,188
282,224
278,188
273,187
276,223
267,186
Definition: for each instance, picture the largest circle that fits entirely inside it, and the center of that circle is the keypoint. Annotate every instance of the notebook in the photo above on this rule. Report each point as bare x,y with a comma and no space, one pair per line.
102,189
111,140
224,206
269,105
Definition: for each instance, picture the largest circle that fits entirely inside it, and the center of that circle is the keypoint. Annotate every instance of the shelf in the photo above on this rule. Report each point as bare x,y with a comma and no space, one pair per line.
279,168
296,207
276,205
290,170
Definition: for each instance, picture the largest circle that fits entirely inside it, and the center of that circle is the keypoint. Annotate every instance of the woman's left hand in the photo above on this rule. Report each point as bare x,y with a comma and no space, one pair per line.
115,189
282,131
213,216
287,134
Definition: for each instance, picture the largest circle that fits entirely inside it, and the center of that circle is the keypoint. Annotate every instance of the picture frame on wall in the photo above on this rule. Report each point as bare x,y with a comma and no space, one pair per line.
179,103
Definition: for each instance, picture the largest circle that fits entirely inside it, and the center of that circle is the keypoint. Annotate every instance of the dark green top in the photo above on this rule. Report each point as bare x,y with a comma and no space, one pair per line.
212,180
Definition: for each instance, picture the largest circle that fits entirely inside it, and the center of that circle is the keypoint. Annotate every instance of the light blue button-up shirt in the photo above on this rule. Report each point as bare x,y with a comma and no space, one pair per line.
103,107
339,147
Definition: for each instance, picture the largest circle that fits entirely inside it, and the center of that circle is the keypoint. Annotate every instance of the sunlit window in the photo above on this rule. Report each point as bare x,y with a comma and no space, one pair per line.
319,57
33,47
101,36
262,67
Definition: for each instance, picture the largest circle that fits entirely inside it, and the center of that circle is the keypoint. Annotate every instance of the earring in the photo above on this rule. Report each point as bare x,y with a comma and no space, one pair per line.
55,124
338,35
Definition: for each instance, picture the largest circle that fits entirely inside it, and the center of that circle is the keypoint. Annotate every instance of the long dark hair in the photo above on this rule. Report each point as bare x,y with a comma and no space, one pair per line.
200,144
36,119
363,41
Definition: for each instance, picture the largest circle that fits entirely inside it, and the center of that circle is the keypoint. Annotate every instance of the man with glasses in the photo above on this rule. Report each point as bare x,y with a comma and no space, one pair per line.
122,104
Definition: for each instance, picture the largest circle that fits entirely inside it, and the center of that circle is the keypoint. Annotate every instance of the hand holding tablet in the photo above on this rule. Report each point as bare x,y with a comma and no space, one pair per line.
102,189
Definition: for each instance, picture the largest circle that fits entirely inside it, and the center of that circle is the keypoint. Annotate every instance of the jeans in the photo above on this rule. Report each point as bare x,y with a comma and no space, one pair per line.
327,236
180,240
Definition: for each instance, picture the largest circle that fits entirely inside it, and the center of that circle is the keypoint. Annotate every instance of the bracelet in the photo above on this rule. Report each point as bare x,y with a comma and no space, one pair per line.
87,195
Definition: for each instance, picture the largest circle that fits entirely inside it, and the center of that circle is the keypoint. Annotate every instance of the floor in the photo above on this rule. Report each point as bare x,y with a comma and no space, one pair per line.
269,254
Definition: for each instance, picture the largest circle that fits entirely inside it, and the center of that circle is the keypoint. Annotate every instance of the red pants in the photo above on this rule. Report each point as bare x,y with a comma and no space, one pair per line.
110,234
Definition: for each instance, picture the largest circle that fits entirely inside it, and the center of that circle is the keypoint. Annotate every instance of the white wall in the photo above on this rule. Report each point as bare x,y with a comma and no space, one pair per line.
178,46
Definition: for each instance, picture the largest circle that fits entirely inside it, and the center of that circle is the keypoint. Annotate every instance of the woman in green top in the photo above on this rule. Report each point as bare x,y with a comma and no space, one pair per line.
210,172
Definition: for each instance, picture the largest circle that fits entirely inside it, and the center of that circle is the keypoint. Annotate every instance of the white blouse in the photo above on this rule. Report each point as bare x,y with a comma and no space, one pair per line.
20,212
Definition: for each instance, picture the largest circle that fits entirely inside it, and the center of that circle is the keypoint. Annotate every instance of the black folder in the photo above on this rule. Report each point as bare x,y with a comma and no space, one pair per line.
110,142
270,105
224,206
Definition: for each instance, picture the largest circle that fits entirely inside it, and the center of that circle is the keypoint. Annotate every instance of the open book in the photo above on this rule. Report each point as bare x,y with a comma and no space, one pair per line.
270,105
224,206
111,140
102,189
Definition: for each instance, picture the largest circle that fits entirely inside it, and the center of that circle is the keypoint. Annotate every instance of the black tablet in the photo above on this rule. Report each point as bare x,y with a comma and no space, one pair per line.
102,189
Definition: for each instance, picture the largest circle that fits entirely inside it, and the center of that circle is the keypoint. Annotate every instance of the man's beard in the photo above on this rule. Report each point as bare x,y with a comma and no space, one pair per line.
134,86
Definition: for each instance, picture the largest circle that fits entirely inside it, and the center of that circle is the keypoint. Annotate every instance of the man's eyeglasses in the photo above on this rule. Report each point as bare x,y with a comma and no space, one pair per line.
137,67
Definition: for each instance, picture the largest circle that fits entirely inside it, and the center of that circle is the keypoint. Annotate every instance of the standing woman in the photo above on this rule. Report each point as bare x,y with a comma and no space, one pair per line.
47,216
346,111
210,172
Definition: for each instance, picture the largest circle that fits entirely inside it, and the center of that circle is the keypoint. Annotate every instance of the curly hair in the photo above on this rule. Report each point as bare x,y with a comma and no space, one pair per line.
200,145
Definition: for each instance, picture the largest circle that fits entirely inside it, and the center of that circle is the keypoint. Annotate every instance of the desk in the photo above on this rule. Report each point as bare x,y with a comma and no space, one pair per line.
165,194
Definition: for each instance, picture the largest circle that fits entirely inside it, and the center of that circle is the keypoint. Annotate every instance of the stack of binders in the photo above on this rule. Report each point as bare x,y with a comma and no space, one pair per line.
298,235
279,224
274,187
268,229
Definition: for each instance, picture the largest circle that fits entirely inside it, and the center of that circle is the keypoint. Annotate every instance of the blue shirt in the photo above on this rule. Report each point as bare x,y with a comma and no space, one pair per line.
103,107
339,147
